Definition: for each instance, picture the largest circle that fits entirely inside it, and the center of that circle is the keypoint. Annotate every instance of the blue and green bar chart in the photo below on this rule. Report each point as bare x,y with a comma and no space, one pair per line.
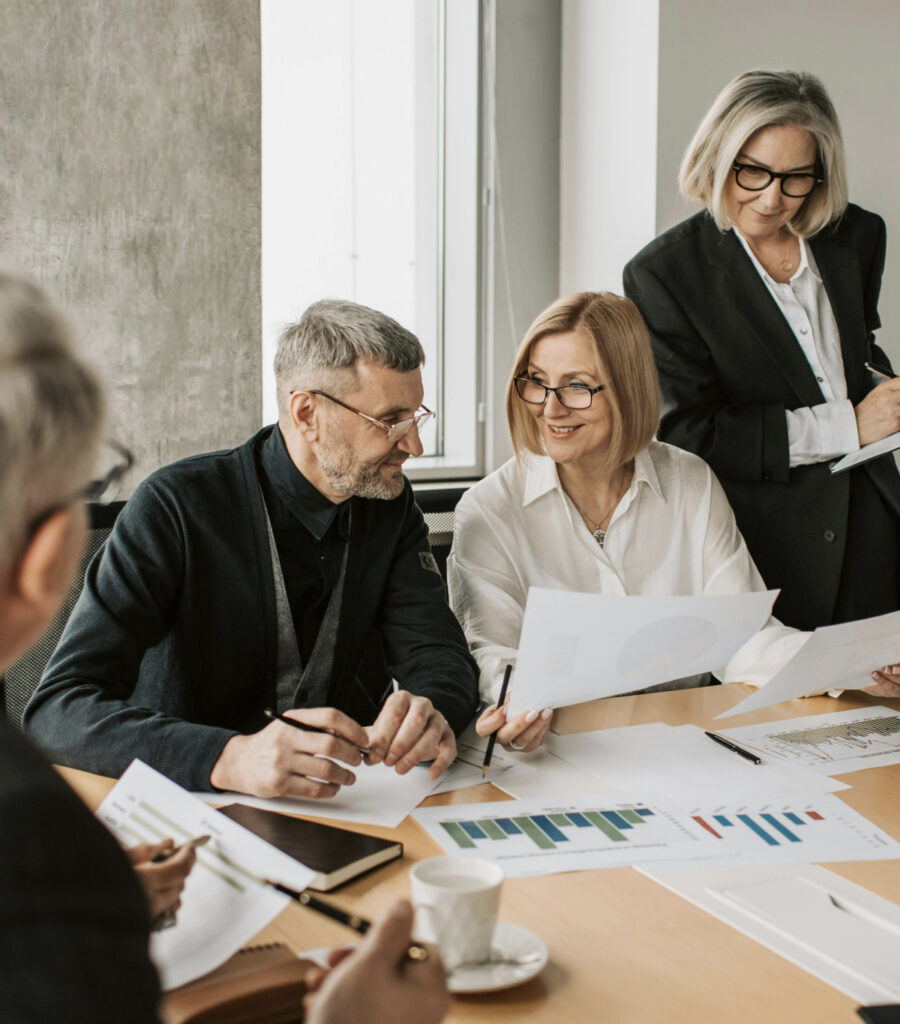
547,831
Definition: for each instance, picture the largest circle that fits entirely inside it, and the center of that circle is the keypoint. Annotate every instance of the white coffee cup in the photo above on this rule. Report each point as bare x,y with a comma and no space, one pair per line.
456,900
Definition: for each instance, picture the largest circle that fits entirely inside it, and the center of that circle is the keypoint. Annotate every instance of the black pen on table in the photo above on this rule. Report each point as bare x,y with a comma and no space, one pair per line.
489,753
276,717
881,371
734,747
354,921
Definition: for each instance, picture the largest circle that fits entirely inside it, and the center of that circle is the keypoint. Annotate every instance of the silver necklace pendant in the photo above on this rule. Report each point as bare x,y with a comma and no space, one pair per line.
599,536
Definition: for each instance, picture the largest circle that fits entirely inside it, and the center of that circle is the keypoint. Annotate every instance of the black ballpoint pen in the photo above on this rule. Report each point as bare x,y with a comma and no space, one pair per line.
734,747
489,753
882,372
269,713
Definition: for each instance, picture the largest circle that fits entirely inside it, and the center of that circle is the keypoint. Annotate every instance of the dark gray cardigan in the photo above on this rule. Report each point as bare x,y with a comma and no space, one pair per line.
171,648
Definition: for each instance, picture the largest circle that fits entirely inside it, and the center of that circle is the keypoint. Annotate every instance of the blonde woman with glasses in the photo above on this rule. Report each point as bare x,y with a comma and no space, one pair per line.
762,310
592,503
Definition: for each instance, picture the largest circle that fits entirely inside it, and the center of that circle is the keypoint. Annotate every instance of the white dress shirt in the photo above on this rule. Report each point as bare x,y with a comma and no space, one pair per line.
673,533
819,432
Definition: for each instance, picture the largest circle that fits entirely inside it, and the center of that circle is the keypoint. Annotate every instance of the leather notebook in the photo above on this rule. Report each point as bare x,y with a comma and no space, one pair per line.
335,854
258,985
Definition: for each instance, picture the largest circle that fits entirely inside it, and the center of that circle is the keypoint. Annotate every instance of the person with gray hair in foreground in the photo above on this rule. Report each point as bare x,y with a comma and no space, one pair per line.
74,923
255,579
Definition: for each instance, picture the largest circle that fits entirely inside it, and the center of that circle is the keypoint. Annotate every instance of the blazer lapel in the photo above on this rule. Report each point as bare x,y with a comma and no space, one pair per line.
839,268
751,302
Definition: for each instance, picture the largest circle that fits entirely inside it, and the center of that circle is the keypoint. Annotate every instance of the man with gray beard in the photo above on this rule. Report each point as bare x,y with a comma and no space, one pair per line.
260,579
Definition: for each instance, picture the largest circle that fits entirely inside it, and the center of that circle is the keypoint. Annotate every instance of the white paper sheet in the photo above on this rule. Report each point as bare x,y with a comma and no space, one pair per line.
833,743
378,797
224,903
600,831
789,909
682,763
576,647
466,769
553,777
834,657
792,829
868,451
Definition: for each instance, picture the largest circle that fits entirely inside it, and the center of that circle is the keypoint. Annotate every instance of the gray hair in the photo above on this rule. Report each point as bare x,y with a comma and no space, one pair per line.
335,335
755,100
51,412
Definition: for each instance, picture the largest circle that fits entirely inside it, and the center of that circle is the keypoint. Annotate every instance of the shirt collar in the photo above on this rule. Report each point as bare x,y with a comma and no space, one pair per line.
541,476
807,261
298,495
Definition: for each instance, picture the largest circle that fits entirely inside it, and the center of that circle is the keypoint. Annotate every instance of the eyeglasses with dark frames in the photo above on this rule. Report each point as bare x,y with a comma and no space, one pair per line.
100,491
792,184
572,396
395,431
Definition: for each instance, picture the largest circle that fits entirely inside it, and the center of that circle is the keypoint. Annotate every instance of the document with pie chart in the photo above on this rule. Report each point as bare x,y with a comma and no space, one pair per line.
576,647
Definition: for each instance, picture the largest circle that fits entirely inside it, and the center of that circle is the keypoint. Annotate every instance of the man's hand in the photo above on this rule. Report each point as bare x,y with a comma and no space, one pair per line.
280,760
524,733
408,730
163,882
878,414
886,682
379,984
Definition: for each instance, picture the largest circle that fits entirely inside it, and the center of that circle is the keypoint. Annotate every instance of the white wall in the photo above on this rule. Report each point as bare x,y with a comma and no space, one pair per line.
639,74
852,47
608,160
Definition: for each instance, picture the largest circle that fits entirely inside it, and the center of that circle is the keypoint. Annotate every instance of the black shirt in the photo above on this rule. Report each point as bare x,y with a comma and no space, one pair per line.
310,535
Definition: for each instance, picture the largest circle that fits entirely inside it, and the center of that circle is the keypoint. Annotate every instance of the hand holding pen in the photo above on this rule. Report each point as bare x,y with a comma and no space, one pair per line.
878,414
523,733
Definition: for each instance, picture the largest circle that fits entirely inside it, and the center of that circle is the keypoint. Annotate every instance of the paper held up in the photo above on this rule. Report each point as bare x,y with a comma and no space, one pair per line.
576,647
840,657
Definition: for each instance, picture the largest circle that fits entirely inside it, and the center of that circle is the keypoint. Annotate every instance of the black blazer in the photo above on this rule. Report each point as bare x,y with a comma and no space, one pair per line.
730,366
74,924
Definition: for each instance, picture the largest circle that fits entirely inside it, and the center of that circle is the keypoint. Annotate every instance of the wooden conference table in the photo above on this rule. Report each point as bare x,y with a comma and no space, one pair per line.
623,948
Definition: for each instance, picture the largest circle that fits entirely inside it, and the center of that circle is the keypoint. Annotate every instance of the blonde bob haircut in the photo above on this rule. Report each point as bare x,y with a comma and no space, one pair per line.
623,361
755,100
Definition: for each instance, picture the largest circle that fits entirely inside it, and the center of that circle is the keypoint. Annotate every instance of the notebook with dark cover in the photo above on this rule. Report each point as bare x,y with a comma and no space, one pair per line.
335,854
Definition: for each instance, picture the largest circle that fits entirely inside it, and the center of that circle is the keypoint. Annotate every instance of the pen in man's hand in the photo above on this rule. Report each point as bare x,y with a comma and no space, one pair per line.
734,748
489,753
276,717
882,371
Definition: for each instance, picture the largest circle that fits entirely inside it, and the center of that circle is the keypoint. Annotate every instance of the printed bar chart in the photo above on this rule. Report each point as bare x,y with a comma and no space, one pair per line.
534,837
546,831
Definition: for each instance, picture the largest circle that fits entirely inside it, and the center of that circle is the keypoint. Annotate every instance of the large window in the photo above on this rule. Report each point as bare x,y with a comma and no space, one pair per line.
370,186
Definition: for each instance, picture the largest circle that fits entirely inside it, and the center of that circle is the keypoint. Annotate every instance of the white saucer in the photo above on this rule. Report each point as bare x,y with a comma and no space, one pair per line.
510,940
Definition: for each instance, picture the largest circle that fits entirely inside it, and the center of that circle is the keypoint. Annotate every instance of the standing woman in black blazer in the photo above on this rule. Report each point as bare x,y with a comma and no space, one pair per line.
761,310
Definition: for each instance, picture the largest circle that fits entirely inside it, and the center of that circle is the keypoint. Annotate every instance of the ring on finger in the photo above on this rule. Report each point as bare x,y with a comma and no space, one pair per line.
516,746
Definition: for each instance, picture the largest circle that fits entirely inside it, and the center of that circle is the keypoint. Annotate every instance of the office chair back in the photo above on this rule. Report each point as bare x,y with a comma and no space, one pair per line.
22,677
438,505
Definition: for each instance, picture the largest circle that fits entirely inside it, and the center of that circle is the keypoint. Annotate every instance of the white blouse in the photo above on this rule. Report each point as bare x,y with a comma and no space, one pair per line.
824,431
673,533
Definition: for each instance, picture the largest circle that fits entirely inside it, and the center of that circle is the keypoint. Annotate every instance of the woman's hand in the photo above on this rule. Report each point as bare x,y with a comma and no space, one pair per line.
886,682
878,414
524,733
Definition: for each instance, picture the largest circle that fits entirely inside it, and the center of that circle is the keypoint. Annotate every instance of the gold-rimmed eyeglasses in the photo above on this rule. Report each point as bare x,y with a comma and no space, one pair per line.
395,431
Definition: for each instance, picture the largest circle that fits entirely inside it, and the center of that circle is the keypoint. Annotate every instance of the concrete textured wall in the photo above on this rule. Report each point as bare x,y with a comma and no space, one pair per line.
130,188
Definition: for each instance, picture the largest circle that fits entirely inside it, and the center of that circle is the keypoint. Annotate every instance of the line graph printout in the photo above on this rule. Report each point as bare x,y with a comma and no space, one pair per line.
538,836
225,902
842,741
818,830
